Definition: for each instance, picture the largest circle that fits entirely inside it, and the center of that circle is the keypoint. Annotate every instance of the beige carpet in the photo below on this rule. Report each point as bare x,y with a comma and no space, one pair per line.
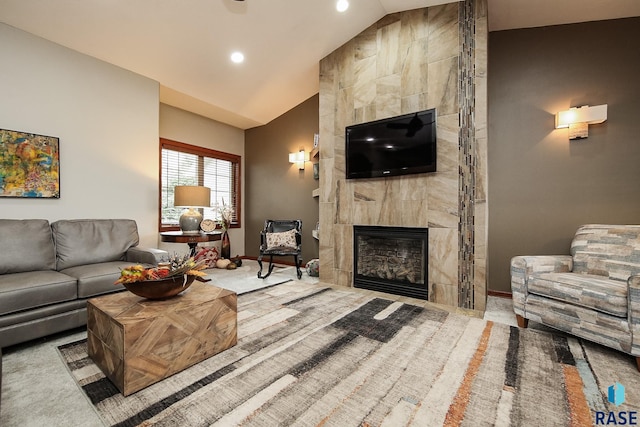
309,355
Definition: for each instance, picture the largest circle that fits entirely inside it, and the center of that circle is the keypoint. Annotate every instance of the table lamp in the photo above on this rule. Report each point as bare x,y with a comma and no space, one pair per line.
190,197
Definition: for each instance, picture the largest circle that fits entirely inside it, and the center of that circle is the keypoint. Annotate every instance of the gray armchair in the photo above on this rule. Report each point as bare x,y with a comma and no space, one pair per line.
593,293
280,238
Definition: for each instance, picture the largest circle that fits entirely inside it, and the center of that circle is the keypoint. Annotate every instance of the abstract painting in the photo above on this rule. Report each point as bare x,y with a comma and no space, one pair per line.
29,165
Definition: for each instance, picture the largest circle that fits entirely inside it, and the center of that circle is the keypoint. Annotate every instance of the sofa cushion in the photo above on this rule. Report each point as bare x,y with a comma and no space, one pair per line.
586,290
96,279
23,291
612,251
596,326
91,241
27,246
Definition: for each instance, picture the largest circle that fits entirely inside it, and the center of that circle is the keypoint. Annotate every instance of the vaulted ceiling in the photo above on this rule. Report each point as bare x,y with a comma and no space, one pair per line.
186,45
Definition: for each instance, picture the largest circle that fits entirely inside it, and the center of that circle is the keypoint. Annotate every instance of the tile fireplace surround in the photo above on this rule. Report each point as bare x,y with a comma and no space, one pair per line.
410,61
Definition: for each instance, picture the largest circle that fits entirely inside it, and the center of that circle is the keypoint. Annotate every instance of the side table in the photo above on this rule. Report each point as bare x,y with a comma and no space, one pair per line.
137,342
191,239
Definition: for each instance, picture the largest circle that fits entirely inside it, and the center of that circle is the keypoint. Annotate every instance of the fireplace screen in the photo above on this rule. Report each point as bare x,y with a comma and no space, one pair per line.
391,259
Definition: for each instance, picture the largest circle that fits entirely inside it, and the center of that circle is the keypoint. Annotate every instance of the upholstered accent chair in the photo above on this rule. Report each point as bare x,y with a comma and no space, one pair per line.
280,238
594,293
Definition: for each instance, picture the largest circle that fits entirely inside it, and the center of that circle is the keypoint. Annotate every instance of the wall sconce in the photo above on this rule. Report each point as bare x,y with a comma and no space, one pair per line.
300,157
579,119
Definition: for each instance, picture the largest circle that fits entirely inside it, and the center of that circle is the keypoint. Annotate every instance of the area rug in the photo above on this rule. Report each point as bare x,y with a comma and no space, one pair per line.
310,355
245,278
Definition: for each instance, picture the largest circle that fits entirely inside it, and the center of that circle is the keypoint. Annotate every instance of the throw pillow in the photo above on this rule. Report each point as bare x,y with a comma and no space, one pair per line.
285,239
209,255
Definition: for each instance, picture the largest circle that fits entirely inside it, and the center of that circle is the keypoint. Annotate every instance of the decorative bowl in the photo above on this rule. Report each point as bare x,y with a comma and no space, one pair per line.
160,289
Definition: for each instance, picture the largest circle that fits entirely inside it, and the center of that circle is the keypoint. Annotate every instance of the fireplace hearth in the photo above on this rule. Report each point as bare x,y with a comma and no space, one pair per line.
391,259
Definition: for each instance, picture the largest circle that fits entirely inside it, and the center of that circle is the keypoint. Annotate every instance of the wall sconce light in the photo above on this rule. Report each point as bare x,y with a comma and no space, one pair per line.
300,157
579,119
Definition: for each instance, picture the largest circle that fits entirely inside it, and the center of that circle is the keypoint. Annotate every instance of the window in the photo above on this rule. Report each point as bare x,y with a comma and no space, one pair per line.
184,164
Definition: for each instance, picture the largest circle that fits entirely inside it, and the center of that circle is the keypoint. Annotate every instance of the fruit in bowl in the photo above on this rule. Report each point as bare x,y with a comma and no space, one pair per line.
164,281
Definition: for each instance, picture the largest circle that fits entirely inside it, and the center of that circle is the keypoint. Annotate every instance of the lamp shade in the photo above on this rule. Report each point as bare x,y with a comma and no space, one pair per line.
299,157
192,196
585,114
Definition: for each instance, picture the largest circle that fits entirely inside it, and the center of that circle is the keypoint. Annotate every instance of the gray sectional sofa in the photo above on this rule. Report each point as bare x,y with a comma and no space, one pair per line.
49,270
594,293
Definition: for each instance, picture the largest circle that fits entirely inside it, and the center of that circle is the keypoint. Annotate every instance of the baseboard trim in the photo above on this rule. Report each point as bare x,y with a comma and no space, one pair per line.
276,259
500,294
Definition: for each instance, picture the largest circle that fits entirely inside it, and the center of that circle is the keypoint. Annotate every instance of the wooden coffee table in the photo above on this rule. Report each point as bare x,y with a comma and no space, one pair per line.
137,342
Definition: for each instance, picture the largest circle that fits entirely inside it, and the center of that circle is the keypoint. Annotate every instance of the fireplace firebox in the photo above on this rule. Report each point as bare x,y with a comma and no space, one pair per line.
391,259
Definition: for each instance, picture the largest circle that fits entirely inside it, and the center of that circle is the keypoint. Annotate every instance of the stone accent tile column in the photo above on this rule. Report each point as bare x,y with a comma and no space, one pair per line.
406,62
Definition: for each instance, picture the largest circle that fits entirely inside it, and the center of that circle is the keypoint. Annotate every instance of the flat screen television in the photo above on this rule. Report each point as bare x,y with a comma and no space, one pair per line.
394,146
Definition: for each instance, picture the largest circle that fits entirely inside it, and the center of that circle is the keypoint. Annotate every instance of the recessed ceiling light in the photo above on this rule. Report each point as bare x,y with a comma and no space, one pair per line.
237,57
342,5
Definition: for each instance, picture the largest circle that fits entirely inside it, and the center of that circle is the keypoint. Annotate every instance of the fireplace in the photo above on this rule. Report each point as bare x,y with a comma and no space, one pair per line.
391,259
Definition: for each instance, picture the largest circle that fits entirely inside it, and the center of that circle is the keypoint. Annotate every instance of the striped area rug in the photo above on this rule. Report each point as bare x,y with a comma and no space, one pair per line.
309,355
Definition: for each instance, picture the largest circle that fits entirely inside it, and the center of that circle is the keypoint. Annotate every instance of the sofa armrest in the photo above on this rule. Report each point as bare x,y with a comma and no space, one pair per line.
524,266
143,255
633,285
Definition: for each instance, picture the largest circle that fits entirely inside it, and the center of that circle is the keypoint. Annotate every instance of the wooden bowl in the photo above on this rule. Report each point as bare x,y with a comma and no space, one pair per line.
160,289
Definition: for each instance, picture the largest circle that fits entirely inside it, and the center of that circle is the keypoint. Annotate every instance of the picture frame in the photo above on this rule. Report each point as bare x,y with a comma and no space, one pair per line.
29,165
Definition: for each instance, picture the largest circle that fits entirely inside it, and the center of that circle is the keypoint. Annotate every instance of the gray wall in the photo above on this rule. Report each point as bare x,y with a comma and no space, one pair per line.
541,185
275,188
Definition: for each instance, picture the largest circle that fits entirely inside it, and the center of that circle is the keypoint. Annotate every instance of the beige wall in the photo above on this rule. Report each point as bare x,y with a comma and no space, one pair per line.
277,189
408,62
107,122
543,186
182,126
